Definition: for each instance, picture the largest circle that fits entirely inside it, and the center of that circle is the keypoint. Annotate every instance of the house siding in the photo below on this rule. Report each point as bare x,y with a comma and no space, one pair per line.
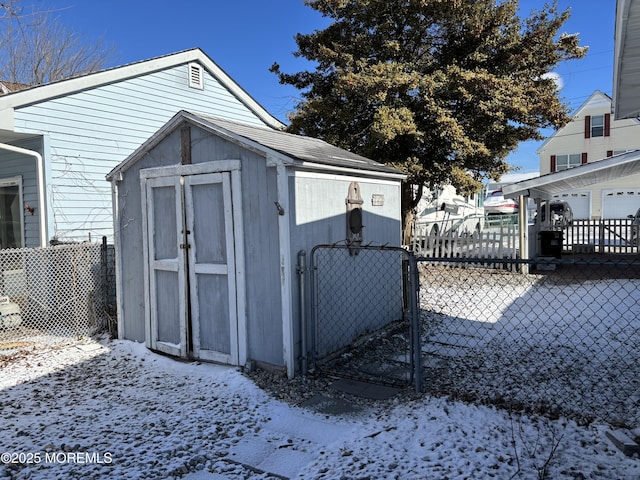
92,131
619,135
17,165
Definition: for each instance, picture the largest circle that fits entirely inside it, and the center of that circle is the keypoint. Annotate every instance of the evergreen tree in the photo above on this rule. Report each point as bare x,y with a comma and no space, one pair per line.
442,89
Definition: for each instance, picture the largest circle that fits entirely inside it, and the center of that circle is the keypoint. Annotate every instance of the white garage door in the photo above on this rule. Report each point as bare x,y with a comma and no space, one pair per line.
620,203
580,202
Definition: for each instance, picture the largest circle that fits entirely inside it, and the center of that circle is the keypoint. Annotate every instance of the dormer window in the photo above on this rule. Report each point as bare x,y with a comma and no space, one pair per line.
196,77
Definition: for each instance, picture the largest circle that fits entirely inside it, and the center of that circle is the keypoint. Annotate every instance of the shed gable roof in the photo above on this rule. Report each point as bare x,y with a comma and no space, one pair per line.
73,85
298,149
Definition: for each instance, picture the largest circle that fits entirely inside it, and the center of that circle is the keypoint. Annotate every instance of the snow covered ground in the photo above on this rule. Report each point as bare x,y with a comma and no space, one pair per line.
112,409
543,342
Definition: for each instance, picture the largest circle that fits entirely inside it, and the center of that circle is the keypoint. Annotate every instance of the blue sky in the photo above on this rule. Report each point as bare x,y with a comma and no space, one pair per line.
244,37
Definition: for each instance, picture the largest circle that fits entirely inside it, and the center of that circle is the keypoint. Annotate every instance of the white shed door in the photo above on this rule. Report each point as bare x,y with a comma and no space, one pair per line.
211,267
165,284
191,259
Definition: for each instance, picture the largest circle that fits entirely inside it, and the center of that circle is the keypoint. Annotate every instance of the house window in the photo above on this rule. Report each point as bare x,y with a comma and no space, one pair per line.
11,216
196,77
597,125
563,162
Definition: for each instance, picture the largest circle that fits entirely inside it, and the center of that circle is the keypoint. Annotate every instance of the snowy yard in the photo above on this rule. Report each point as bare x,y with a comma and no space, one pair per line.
556,343
99,409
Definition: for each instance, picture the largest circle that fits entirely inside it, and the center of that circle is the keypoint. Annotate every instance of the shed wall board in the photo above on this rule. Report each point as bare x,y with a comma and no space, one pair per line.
92,131
319,217
319,214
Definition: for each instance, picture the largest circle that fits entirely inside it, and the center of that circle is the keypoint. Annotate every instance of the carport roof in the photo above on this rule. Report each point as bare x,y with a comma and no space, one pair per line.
546,186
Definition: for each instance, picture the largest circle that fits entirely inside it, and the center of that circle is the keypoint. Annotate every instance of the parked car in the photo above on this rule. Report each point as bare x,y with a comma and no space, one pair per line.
635,227
496,204
561,213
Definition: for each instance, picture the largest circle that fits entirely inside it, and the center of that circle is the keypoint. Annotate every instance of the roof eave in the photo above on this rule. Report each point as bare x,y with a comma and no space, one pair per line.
583,175
305,165
93,80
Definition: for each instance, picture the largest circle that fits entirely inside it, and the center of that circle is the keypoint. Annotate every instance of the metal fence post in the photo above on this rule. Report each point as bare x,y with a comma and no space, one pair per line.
414,287
105,277
302,268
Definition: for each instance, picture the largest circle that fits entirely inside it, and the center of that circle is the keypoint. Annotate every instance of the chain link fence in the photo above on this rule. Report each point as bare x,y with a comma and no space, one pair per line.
553,336
560,340
361,313
55,293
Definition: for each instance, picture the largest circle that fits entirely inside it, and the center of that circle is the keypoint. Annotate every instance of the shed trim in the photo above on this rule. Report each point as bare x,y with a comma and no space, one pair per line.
284,235
319,167
326,175
241,278
192,169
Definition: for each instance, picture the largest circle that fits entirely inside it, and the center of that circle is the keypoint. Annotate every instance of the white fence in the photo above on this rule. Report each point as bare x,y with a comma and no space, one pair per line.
617,236
48,294
501,241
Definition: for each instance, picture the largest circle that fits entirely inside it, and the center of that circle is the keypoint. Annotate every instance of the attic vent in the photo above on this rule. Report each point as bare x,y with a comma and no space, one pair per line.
196,78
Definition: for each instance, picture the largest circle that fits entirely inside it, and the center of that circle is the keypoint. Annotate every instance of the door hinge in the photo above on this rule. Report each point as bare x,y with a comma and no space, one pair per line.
185,246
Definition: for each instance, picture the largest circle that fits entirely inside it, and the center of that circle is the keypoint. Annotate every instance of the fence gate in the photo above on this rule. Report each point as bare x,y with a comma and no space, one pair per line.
365,313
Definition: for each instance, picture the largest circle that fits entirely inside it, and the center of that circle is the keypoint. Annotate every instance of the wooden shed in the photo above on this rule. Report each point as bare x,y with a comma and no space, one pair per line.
209,218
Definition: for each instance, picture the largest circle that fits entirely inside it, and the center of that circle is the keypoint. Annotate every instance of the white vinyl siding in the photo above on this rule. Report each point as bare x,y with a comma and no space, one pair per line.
91,132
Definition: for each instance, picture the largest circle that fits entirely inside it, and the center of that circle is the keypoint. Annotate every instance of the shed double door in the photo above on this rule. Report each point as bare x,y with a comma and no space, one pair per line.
191,275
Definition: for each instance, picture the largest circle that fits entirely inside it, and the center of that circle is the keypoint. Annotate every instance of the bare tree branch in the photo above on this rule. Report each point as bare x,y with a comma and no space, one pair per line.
36,48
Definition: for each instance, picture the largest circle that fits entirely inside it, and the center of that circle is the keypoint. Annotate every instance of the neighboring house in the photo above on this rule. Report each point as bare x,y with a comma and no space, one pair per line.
593,135
607,177
58,141
219,211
